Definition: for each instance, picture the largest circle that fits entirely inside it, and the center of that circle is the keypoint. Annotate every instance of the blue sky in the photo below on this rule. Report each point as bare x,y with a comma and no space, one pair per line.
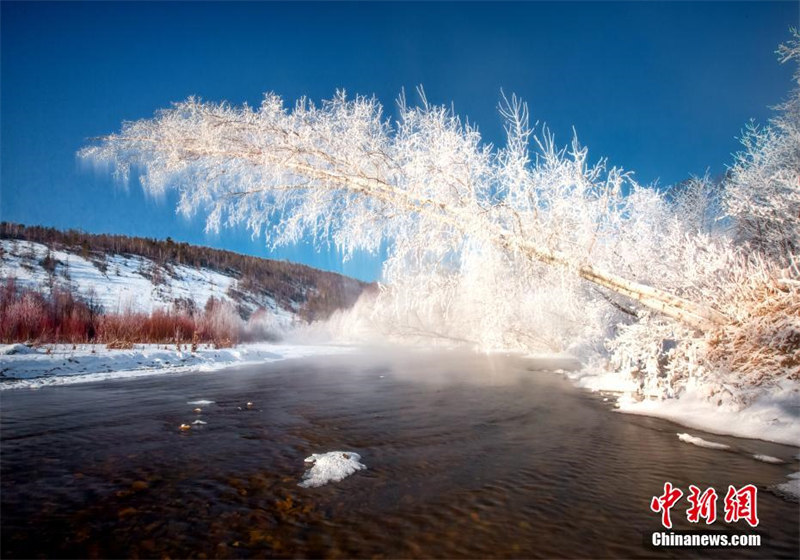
659,88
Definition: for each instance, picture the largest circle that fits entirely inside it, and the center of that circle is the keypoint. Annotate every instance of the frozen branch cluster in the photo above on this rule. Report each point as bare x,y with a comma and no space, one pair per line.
528,246
763,194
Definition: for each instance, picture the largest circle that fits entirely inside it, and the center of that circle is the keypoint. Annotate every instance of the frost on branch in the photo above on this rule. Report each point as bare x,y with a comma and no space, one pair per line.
426,185
763,190
527,246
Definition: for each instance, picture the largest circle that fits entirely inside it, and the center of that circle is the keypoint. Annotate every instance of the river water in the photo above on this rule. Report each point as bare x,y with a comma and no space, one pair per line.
467,456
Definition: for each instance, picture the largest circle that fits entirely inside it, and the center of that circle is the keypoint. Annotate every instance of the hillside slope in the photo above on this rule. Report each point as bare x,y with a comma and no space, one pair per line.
117,274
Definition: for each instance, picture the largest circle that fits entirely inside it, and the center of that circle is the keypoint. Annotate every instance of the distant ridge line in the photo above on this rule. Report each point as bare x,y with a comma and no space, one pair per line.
319,291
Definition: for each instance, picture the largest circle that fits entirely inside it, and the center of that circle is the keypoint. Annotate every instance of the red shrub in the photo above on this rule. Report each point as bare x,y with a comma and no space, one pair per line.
25,319
26,315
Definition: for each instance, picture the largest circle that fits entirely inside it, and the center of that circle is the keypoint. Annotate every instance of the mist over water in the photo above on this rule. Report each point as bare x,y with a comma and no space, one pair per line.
467,455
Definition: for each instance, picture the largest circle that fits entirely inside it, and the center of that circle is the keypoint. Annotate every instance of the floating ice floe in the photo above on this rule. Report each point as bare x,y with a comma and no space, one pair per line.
767,458
333,466
700,442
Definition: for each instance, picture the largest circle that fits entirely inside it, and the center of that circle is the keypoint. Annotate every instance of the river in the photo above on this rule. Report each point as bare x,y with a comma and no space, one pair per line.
468,456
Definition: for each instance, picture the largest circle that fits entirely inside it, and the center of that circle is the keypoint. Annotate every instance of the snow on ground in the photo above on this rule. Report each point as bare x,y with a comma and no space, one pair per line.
126,283
62,364
333,466
700,442
773,412
791,488
773,415
11,349
596,378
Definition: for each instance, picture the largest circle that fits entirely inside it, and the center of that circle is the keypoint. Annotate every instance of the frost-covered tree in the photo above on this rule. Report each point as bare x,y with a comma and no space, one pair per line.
426,184
763,188
698,201
527,246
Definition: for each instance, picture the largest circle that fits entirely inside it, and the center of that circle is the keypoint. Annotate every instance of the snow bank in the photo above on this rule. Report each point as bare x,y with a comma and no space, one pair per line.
11,349
597,378
791,488
700,442
333,466
64,364
772,415
772,412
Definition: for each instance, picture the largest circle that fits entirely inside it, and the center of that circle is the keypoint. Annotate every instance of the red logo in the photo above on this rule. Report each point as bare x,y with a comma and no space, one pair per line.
704,505
665,502
739,504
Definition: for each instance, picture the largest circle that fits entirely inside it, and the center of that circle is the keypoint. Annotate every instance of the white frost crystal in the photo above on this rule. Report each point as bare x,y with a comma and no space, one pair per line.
333,466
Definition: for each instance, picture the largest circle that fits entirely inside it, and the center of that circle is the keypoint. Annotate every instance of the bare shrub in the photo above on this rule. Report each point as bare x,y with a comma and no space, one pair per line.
764,346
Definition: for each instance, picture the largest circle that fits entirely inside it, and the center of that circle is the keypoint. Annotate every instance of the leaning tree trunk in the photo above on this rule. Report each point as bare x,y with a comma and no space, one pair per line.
698,316
184,136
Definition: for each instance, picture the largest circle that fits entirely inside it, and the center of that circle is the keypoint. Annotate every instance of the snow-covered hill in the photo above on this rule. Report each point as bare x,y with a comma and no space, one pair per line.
123,282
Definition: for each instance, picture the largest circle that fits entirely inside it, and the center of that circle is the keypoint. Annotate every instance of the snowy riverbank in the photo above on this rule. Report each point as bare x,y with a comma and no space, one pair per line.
772,412
59,364
773,415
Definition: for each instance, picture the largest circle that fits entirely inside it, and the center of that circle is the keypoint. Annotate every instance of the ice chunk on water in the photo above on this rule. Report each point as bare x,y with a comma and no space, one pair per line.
331,467
767,458
700,442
